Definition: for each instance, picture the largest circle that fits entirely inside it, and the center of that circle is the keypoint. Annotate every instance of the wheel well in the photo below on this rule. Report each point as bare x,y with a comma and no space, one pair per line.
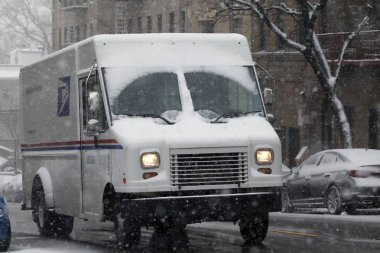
109,197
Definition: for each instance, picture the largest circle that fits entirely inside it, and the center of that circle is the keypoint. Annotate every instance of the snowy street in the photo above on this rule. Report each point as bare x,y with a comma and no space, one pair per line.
287,233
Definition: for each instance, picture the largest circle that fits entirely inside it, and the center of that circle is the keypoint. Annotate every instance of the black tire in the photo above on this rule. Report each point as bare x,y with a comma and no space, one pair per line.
127,231
4,244
49,223
254,229
333,200
351,209
286,205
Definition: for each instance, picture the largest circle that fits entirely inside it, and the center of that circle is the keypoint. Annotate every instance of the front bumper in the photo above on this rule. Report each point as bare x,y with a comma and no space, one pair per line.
203,207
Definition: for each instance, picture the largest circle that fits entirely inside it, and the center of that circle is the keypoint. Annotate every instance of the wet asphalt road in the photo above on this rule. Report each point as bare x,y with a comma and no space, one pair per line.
287,233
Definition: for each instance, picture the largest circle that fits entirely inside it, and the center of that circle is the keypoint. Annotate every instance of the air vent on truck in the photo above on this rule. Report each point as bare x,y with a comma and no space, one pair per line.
208,169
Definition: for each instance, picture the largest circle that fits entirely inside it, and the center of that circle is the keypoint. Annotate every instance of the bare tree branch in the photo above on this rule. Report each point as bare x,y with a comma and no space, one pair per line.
260,12
30,19
348,40
284,9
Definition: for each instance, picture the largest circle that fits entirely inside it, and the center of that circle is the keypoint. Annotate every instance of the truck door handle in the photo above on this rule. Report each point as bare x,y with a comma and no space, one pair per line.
327,175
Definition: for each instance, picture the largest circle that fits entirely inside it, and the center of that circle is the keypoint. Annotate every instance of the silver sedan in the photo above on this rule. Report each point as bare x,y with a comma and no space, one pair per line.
339,180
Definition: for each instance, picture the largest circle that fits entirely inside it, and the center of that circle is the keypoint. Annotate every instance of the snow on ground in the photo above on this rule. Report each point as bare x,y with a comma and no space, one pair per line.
5,177
53,250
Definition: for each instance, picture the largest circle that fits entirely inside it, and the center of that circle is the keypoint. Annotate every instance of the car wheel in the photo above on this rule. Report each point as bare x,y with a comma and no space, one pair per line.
286,206
49,223
333,201
4,244
254,229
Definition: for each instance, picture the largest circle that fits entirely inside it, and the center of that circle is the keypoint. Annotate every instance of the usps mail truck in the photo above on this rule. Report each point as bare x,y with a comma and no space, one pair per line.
158,130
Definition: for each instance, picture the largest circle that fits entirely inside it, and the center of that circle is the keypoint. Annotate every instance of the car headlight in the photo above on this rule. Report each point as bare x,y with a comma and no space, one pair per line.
150,160
1,212
264,156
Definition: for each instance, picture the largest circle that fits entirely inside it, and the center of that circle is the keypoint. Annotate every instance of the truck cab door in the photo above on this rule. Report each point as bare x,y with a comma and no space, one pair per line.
93,124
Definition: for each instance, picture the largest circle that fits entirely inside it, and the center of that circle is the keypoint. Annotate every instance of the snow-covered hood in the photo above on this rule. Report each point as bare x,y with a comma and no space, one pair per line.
193,132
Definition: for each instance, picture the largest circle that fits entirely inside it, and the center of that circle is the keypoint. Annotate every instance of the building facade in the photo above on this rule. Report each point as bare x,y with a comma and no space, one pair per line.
302,114
10,132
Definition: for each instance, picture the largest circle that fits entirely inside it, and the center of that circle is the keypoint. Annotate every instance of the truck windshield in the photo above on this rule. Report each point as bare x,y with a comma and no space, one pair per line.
217,91
150,94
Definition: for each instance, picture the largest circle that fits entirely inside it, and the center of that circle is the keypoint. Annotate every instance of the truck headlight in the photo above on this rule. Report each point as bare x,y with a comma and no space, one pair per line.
150,160
264,156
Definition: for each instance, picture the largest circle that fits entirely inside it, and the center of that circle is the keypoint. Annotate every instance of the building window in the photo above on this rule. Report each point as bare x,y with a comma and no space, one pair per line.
159,23
373,128
71,34
139,24
263,38
55,37
294,145
182,22
65,35
59,37
84,31
171,22
120,17
237,26
280,25
78,33
206,26
130,25
91,29
149,24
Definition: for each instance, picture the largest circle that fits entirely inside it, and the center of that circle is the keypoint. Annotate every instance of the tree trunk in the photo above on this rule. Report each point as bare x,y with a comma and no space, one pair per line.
335,102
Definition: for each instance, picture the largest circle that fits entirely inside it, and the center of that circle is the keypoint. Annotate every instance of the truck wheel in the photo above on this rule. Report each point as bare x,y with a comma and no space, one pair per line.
128,232
49,223
333,201
4,244
254,229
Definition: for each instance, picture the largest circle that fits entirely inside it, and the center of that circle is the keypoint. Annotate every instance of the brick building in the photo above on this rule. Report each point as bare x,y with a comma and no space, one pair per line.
302,116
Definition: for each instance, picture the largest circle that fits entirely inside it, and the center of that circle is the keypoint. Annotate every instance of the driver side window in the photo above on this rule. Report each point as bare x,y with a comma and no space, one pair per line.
92,102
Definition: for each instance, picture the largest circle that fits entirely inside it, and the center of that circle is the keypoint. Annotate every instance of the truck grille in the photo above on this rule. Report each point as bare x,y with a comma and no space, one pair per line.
208,169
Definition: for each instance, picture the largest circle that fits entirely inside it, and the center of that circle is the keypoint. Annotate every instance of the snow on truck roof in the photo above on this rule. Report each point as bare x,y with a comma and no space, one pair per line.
164,49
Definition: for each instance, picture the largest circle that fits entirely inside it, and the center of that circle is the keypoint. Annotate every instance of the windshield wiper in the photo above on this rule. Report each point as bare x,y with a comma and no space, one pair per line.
149,115
232,115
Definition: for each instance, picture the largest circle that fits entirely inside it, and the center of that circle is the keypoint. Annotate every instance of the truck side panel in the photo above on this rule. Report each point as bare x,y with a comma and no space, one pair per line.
51,139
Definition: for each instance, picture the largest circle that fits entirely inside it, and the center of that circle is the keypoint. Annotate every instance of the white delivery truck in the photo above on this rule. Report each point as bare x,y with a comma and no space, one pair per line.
157,130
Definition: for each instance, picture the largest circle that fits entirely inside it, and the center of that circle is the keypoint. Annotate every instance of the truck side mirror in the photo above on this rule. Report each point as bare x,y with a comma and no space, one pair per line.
270,118
93,126
268,96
